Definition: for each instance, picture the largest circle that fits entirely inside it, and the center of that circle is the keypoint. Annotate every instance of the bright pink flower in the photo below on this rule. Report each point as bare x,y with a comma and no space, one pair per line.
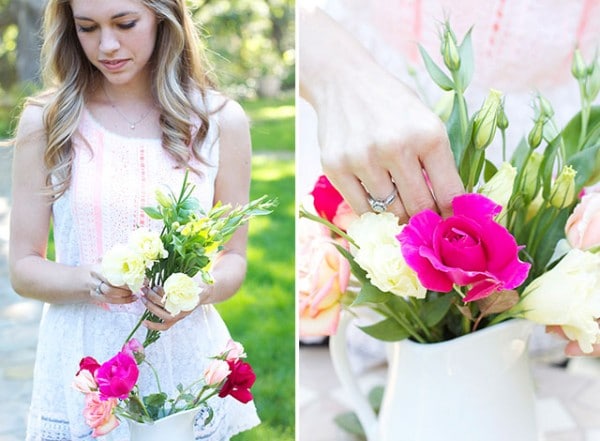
239,382
467,249
88,364
117,377
326,198
98,414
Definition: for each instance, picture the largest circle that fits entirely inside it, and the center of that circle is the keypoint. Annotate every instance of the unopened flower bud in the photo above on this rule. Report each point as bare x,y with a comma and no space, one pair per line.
484,124
443,108
593,82
450,51
545,107
162,198
531,175
499,189
536,134
563,192
578,68
502,122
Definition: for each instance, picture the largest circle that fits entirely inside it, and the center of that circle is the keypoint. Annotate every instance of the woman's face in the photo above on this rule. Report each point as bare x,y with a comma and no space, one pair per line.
117,36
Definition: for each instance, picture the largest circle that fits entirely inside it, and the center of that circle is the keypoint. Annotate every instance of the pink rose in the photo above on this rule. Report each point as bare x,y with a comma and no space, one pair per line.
323,275
134,349
216,372
234,351
330,204
117,377
583,226
98,414
469,248
239,381
88,364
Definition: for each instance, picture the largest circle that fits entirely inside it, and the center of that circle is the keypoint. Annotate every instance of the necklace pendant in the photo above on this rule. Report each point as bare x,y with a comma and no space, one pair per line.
132,126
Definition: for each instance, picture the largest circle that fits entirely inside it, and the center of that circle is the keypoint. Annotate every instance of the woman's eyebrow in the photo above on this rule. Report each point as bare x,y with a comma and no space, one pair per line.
119,15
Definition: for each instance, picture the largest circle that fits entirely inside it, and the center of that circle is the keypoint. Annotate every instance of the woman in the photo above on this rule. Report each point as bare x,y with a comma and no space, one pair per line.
128,107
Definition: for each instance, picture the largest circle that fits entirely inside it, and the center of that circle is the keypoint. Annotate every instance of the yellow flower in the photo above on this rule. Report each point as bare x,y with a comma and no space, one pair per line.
123,266
148,244
182,293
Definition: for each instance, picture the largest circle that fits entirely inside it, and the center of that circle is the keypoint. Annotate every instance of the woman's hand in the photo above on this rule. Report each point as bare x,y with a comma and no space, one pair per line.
153,299
381,147
572,348
103,292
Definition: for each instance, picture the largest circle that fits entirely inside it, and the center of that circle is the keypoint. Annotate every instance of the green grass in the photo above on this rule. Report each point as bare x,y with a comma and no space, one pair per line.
261,315
272,124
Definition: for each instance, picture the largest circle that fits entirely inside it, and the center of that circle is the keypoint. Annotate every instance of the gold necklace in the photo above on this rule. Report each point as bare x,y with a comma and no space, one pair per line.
132,124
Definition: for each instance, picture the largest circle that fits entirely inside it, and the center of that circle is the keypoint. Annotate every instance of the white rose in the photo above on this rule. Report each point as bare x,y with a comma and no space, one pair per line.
123,266
148,244
568,296
182,293
379,254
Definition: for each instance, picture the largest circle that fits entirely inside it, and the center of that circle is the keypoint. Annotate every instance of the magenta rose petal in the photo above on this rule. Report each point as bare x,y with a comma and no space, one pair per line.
475,206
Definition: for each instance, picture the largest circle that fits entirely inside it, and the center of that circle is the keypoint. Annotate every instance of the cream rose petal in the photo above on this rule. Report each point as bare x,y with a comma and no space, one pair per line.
182,293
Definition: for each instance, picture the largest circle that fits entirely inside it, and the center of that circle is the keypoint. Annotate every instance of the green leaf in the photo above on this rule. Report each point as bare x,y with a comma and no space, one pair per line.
467,63
547,166
349,423
370,294
489,170
585,163
155,400
386,330
153,213
433,311
376,397
438,76
572,131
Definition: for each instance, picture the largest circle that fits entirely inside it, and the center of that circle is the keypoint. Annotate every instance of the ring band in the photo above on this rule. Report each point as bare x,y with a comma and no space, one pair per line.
99,288
380,205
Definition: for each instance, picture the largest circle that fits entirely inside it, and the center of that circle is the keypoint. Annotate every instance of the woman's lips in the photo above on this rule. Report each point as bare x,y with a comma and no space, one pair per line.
114,65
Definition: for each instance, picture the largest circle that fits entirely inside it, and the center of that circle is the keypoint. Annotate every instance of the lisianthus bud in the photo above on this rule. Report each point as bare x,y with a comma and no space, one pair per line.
536,134
593,82
443,108
578,68
502,122
563,192
162,198
531,175
484,124
545,107
499,188
450,51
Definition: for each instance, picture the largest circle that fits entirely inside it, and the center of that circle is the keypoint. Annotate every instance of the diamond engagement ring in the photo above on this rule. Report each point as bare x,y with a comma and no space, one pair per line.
380,205
99,288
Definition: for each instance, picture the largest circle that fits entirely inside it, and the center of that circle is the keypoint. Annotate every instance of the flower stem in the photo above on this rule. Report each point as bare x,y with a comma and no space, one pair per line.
155,375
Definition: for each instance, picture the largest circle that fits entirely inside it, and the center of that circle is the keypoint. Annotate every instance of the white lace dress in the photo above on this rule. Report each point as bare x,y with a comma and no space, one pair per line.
113,176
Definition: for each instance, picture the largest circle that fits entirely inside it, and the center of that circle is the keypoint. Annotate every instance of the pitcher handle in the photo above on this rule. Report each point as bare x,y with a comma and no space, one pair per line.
341,364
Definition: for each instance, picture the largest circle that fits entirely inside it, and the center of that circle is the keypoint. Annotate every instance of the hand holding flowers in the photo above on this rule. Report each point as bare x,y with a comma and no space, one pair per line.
503,252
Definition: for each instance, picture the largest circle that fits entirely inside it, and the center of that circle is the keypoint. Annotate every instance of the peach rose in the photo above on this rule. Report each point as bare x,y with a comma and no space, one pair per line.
583,226
323,275
99,414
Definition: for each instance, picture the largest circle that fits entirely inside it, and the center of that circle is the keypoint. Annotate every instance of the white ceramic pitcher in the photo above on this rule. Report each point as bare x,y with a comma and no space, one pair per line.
176,427
477,387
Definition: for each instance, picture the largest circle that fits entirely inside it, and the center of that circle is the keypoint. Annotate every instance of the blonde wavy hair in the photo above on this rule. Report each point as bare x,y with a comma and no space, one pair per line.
177,79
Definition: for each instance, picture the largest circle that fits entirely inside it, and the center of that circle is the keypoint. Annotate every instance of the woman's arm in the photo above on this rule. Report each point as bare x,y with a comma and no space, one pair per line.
31,274
375,134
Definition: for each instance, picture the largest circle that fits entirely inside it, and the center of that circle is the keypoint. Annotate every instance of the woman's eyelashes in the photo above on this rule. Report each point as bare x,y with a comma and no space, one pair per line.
124,26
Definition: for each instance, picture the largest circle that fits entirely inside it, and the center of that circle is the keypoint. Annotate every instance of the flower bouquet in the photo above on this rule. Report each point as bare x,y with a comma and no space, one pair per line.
178,259
521,244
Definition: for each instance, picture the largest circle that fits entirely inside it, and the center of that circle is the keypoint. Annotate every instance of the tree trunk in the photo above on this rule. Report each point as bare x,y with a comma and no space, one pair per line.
29,20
